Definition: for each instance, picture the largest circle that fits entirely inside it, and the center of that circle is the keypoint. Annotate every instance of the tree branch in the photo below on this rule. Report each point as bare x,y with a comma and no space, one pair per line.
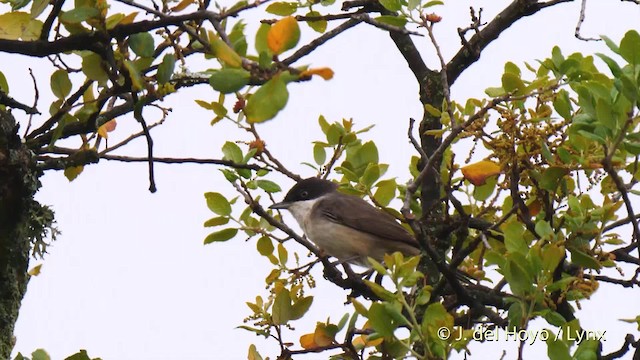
470,53
315,43
92,40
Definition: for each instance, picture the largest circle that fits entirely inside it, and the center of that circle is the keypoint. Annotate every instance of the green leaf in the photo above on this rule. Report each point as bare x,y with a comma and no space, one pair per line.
512,82
592,136
60,84
386,191
630,47
514,237
4,85
432,110
544,229
612,64
413,4
79,14
268,186
557,349
72,172
301,307
381,321
267,101
93,69
37,7
17,4
392,20
484,191
520,281
282,309
165,69
611,44
552,176
142,44
237,38
219,236
265,246
562,104
81,355
261,38
581,258
319,154
318,25
604,114
253,352
495,91
381,292
218,203
232,152
588,349
391,5
137,83
216,221
40,354
282,8
229,80
283,255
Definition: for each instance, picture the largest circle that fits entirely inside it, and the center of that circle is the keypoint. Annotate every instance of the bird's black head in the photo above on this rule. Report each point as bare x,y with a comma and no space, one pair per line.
307,189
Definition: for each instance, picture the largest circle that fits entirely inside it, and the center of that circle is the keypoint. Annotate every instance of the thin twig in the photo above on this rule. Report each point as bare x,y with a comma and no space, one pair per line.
583,8
11,102
36,96
366,18
414,142
165,160
315,43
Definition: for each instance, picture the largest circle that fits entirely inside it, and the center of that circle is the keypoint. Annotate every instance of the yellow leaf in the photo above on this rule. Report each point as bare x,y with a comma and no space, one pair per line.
253,353
363,340
307,341
35,271
283,35
325,73
128,19
72,172
478,173
19,25
223,52
107,127
320,336
182,5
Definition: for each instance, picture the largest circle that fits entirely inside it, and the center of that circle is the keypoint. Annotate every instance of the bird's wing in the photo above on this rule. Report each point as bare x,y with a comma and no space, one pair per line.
339,209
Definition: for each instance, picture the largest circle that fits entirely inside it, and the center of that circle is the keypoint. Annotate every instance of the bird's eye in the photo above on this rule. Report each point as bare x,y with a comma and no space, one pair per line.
304,194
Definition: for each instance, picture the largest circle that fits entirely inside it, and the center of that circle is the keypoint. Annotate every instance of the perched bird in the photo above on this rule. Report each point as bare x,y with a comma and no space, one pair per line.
345,226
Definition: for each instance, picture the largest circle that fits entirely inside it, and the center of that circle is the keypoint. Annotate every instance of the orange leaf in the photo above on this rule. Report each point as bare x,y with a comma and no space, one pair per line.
307,342
478,173
534,207
321,337
107,127
325,73
283,35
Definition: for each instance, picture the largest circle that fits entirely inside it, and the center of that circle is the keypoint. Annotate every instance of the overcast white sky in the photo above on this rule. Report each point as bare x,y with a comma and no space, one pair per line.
129,277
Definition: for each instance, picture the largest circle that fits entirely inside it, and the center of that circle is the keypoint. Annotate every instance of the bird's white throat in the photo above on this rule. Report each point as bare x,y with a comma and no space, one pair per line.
301,210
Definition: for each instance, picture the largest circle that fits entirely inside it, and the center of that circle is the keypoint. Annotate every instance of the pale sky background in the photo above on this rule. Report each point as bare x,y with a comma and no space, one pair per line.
129,278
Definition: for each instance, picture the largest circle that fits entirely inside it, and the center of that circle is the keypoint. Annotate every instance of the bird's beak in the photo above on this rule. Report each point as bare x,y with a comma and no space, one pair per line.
280,205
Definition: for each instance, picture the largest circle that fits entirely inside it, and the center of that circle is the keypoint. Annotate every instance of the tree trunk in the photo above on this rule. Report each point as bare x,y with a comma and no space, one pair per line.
21,220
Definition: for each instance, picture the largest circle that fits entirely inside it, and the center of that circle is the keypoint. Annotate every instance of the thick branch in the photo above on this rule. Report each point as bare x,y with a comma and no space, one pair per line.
91,41
470,52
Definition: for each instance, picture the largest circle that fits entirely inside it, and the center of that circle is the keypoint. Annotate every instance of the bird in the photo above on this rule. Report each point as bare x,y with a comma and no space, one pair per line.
345,226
